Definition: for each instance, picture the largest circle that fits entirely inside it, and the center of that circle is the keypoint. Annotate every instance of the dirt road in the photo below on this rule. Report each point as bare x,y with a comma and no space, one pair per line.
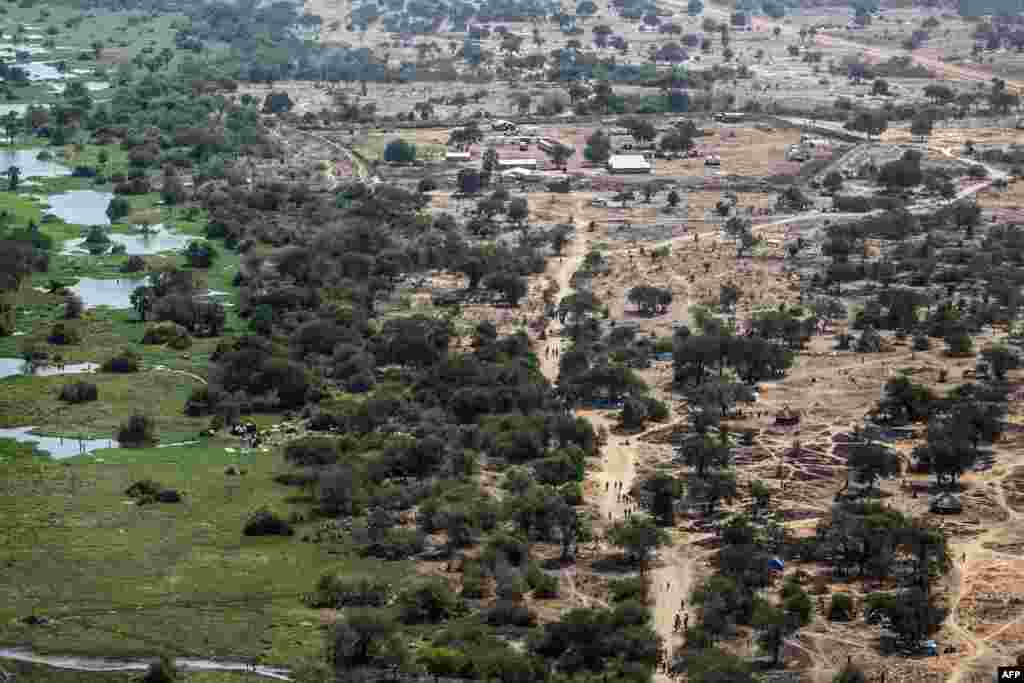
99,664
672,578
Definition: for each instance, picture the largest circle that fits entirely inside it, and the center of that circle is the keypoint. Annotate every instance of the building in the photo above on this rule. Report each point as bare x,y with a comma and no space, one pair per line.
458,156
628,163
506,164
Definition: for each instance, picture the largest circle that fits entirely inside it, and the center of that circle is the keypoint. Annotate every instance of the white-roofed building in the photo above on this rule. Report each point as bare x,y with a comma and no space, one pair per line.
628,163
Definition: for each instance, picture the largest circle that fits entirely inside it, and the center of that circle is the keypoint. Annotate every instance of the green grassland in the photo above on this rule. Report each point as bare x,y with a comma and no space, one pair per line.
128,581
37,673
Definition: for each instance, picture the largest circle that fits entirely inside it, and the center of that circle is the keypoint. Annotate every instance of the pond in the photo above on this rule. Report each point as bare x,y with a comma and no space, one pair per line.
113,293
158,240
10,367
38,71
25,160
80,207
57,446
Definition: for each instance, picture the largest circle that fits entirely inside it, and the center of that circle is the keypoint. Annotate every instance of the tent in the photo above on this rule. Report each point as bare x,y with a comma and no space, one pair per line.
776,564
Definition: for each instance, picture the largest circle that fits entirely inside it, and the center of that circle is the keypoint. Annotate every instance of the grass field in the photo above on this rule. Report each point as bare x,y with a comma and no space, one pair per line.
124,580
36,673
34,401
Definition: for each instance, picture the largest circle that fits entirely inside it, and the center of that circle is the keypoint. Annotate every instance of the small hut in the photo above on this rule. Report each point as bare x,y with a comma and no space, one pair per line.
787,418
946,504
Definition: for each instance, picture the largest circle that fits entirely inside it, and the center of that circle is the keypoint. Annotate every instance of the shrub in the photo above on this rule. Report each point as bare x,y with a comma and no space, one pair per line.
508,613
631,588
431,602
200,254
922,342
161,671
336,591
169,333
199,403
312,450
61,335
73,306
79,392
545,586
137,430
118,209
126,361
263,522
397,544
841,607
134,264
143,488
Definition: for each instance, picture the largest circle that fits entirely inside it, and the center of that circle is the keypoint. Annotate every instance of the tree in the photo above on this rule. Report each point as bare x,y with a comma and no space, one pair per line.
773,627
880,87
639,536
673,199
676,142
713,488
560,154
162,670
871,461
651,300
118,208
660,493
518,210
510,285
869,122
200,254
900,174
921,126
430,602
365,638
598,148
13,178
1000,359
12,122
399,151
959,342
711,665
488,163
833,182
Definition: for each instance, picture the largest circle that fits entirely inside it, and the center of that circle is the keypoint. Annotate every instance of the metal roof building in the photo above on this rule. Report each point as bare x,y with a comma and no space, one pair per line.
628,163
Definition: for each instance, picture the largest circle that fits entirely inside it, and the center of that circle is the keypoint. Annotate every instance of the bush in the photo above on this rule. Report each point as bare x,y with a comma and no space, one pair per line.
841,607
624,590
336,591
397,544
200,254
73,306
312,451
118,209
143,488
545,586
171,334
431,602
137,430
62,335
126,361
134,264
161,671
922,343
263,522
79,392
200,403
508,613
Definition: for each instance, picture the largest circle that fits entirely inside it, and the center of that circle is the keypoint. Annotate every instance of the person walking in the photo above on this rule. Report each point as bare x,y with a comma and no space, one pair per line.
675,627
686,621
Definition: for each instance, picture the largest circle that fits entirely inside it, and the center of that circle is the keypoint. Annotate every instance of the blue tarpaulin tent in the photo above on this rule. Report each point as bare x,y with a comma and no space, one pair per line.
776,564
